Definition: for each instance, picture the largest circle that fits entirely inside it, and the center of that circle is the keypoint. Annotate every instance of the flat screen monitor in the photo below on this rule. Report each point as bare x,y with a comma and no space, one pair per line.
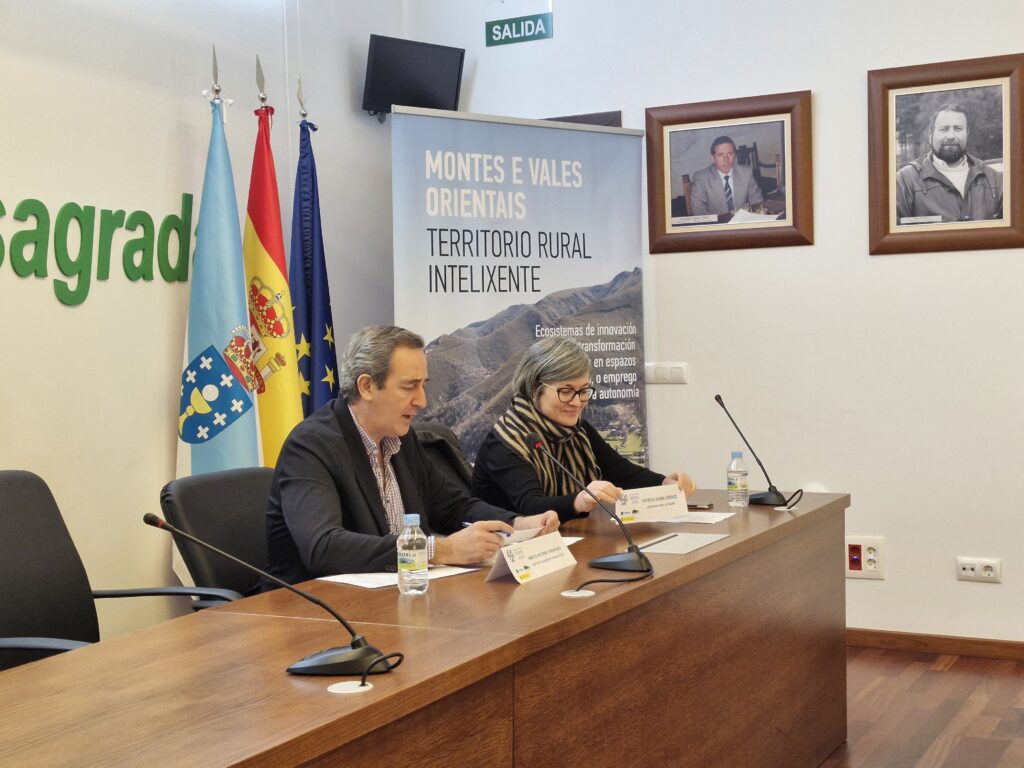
412,74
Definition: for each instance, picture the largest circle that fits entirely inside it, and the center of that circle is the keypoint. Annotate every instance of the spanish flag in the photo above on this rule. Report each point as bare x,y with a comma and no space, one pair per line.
270,306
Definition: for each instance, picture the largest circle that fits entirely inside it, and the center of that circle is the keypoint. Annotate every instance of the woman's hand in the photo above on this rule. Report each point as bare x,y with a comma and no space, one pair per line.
683,480
602,489
546,520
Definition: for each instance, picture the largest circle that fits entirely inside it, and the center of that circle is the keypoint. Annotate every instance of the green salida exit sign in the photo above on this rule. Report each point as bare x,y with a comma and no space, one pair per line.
522,29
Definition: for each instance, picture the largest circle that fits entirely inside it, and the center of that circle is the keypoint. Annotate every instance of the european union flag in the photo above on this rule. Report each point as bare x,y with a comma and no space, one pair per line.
307,277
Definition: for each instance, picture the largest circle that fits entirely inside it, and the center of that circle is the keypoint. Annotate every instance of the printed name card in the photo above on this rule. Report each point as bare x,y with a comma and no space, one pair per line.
530,560
650,505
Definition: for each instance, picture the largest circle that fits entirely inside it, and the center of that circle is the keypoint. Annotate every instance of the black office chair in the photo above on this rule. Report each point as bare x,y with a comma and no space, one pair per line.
47,605
227,509
445,451
749,156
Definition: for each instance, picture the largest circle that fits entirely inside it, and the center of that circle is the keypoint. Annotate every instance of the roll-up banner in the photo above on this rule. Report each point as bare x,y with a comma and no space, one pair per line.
507,231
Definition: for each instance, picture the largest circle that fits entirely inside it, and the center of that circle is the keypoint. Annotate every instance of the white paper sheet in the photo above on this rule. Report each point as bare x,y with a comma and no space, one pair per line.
746,217
378,580
682,543
698,517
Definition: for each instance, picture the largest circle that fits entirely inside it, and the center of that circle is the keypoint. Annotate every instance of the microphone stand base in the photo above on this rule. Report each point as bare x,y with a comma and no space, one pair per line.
632,560
346,660
770,498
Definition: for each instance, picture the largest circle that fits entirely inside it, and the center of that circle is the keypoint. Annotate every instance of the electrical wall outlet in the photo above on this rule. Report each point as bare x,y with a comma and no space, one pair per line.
988,569
865,557
666,373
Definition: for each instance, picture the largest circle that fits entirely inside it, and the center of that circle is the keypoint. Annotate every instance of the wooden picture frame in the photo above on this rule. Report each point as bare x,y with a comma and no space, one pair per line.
684,213
903,106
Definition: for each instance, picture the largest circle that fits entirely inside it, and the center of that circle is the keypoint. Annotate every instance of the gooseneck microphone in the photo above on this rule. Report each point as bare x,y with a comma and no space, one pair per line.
358,658
772,497
630,560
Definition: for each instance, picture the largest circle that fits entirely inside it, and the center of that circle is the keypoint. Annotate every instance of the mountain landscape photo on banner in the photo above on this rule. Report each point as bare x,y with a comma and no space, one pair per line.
471,368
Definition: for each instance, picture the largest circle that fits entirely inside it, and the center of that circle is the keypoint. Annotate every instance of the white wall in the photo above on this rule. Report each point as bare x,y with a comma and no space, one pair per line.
103,107
895,378
852,372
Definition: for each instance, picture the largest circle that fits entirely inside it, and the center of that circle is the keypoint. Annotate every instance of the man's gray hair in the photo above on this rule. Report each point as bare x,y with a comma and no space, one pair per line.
369,351
547,360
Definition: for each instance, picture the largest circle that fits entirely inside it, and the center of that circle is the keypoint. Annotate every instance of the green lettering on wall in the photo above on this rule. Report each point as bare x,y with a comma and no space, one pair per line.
137,256
81,239
79,267
38,238
182,227
110,221
3,212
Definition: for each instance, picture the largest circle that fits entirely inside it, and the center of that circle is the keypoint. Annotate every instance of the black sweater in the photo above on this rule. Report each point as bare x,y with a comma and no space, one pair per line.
503,478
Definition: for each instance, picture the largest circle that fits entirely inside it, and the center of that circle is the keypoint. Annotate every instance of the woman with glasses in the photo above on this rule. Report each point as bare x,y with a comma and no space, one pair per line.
551,388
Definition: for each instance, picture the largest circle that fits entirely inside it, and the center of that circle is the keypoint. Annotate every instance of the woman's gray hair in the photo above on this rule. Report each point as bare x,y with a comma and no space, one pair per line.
369,351
547,360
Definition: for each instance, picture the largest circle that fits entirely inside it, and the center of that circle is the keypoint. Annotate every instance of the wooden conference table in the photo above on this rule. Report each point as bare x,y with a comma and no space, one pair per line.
732,655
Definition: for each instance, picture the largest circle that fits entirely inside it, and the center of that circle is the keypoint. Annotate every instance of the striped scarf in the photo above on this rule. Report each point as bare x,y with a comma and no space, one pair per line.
570,445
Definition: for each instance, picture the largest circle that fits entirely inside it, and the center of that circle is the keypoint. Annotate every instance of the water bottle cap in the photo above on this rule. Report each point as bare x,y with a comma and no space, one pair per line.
411,520
737,454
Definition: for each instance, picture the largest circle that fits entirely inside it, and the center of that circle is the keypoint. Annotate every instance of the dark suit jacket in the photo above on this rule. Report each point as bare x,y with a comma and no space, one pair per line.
708,191
325,514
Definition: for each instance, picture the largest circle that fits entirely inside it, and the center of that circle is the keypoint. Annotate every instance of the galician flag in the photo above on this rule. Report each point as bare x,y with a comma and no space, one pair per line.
217,426
270,305
314,328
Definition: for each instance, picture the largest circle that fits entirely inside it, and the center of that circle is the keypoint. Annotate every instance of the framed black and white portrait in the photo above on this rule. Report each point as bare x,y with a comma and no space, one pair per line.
945,156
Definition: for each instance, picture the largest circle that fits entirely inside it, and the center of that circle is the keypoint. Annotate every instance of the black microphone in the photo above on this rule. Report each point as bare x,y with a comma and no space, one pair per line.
359,658
630,560
772,497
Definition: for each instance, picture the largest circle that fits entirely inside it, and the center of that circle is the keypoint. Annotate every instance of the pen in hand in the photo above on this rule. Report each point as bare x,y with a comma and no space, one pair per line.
500,533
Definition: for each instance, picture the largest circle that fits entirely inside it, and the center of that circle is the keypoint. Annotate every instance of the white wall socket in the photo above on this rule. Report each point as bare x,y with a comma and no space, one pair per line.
667,373
988,569
865,557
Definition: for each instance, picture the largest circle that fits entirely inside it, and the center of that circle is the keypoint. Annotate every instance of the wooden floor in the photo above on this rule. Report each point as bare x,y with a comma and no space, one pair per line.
924,710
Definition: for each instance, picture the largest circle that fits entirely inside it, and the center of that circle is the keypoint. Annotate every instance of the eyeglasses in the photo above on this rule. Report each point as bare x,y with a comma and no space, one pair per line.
568,394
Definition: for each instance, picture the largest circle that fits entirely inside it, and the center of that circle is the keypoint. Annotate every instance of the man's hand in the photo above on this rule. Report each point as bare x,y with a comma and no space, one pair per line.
683,480
604,490
546,520
473,544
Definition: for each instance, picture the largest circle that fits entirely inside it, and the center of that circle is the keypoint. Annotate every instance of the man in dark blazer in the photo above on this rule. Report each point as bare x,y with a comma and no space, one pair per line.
348,473
724,186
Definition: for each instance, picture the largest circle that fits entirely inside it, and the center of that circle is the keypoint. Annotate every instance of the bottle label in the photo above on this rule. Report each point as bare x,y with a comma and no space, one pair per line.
412,559
737,483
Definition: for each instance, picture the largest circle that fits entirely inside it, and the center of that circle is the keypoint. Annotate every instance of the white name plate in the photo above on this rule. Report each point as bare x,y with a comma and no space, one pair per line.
682,221
651,505
533,559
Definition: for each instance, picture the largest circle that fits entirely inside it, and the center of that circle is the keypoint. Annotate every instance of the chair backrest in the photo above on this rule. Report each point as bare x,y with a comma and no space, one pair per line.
45,590
227,509
445,451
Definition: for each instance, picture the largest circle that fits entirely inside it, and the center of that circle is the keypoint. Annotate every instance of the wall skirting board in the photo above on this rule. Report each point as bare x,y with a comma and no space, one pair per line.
960,646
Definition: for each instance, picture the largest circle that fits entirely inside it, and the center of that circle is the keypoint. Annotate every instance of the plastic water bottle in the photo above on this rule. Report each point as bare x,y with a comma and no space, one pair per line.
736,481
412,558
